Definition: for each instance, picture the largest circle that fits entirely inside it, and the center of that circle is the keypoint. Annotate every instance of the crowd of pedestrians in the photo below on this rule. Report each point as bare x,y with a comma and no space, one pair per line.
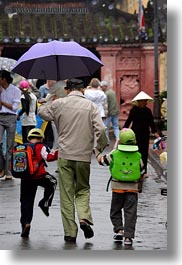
79,120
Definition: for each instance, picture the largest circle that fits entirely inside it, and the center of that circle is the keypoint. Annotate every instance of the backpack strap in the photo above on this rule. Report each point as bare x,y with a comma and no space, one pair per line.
108,183
33,146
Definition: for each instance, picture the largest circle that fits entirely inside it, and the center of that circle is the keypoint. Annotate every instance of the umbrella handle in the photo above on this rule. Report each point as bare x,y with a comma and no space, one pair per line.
57,64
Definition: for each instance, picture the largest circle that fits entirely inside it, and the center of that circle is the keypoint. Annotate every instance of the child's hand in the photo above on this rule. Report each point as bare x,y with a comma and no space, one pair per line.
99,158
53,152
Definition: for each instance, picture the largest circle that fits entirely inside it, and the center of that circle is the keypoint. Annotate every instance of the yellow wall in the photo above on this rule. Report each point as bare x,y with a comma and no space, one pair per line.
131,6
163,72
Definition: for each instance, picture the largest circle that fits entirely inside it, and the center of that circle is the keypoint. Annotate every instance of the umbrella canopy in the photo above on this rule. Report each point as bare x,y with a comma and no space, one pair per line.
57,60
7,64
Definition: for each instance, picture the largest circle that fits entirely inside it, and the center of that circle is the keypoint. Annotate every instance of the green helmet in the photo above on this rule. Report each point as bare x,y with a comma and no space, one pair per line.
36,133
127,136
128,140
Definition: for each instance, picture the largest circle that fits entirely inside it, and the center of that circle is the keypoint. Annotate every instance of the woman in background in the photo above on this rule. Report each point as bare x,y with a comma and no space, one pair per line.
28,110
142,123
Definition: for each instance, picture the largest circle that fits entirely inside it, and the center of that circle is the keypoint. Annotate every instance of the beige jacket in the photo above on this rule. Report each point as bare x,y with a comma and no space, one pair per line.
79,125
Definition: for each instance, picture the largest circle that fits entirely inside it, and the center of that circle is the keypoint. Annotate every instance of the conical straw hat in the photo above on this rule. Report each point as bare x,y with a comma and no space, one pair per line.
140,96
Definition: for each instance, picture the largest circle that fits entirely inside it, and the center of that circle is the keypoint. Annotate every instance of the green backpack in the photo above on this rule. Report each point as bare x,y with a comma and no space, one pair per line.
125,165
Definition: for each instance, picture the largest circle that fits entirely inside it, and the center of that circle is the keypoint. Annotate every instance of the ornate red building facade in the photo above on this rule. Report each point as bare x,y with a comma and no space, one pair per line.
128,70
110,33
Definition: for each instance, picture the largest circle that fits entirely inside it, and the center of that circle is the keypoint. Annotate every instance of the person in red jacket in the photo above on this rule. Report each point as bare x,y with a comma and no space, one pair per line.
42,178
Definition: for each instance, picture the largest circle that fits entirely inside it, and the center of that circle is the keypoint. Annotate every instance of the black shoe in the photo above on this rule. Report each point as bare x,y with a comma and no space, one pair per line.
118,237
44,209
128,241
25,230
70,239
88,232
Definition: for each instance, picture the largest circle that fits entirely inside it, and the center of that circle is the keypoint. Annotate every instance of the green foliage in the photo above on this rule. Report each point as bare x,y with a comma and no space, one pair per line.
163,95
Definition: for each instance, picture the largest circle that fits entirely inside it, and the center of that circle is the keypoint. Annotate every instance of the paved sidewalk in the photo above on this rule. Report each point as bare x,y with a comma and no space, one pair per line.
47,232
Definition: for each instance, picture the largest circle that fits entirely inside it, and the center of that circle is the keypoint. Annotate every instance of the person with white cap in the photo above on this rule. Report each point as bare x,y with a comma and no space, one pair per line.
93,93
113,111
28,110
141,120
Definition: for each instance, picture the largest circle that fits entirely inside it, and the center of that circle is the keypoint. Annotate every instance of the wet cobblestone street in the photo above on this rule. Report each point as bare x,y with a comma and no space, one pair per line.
47,233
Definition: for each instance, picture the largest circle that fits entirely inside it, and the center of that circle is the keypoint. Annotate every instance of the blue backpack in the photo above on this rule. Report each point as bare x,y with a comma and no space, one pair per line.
24,163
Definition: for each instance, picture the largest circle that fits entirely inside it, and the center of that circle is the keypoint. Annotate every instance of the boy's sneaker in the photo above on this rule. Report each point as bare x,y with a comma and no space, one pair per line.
118,236
44,209
8,177
2,173
25,230
128,241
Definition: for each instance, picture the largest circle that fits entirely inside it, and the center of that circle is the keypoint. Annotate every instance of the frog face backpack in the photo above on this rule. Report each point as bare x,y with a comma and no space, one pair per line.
125,165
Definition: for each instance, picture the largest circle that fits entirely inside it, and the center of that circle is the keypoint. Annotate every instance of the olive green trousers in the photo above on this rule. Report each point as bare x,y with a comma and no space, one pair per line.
74,194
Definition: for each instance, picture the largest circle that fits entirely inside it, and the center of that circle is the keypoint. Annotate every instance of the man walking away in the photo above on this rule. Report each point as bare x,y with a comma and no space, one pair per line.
79,127
113,111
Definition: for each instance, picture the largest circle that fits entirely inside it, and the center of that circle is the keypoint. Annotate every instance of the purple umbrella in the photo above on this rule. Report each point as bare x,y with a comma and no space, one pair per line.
57,60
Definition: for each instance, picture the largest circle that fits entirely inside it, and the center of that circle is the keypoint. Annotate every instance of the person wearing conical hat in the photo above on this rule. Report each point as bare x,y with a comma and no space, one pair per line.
141,120
141,96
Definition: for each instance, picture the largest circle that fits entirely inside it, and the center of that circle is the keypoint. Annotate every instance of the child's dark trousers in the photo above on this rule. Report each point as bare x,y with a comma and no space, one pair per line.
126,202
27,195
